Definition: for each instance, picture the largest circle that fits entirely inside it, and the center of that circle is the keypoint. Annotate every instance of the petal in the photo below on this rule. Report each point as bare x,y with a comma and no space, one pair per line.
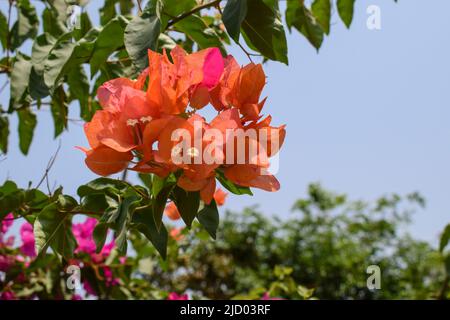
213,67
189,185
109,93
171,211
220,196
207,193
105,161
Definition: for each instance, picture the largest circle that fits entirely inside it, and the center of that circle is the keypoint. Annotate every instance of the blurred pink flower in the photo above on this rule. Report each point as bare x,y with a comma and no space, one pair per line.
88,288
83,234
109,277
176,296
266,296
6,262
76,297
7,295
26,233
6,223
4,227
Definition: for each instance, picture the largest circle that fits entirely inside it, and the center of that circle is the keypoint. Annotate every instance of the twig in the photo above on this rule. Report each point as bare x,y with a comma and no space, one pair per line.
4,86
248,54
139,6
50,164
194,10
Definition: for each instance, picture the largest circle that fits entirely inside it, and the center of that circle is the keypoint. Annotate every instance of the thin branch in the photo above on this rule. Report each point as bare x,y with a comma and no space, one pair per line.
50,164
139,6
194,10
248,54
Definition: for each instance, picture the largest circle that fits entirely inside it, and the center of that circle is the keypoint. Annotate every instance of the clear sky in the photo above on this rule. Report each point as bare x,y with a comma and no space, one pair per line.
368,115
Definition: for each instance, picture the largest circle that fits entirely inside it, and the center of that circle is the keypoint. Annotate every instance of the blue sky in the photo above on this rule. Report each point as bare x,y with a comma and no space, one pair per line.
368,115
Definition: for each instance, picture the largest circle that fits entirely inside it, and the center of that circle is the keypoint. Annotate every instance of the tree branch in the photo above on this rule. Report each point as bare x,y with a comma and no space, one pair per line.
194,10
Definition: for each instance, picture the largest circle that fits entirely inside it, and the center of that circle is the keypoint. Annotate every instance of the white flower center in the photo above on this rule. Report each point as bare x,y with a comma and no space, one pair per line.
132,122
146,119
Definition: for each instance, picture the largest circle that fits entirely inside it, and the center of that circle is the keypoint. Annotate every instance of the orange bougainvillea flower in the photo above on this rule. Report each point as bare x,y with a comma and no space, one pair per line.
220,196
188,79
176,233
148,122
171,211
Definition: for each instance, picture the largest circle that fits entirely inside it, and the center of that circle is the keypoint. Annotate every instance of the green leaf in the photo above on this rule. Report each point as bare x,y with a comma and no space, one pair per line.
345,9
102,185
19,77
126,209
321,9
187,203
298,16
66,54
59,110
41,48
54,19
97,203
27,123
232,187
142,34
27,24
143,221
209,218
4,133
11,198
159,203
53,228
84,26
196,29
234,14
264,30
109,40
79,89
66,203
3,31
99,235
445,238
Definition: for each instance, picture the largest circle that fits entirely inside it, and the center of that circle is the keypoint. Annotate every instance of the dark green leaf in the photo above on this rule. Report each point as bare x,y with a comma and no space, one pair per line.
3,31
99,234
144,222
445,238
19,77
196,29
66,54
27,24
66,203
79,89
109,40
27,123
142,34
209,218
59,110
345,9
84,26
97,203
53,228
298,16
234,14
11,198
159,203
322,12
4,133
264,30
126,209
187,204
102,185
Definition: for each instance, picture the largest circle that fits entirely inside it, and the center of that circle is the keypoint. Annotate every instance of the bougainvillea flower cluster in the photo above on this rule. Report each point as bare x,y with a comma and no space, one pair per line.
140,122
